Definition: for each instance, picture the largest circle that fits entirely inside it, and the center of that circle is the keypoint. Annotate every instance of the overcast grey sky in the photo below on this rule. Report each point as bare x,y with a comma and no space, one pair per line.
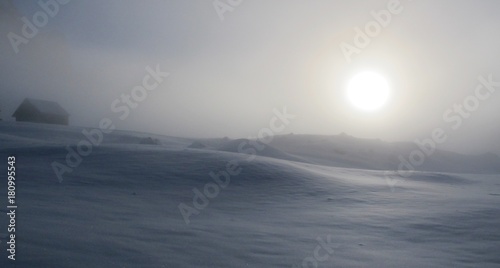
227,76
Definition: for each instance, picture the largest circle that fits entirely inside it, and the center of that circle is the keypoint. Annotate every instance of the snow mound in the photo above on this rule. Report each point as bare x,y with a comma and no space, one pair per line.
242,145
197,145
347,151
150,141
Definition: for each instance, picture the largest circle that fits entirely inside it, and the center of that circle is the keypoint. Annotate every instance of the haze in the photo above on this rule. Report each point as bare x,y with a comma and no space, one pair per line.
227,76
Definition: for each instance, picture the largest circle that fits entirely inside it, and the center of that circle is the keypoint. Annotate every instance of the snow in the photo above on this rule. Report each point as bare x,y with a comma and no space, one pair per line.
346,151
119,208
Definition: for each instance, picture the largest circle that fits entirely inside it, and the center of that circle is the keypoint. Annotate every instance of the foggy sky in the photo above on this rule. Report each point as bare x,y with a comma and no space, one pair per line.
226,77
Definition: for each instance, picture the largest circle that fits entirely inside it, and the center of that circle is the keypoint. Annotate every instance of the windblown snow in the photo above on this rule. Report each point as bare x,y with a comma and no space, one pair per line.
303,201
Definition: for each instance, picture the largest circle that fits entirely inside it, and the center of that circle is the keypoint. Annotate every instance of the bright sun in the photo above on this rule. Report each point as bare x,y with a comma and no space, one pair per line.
368,91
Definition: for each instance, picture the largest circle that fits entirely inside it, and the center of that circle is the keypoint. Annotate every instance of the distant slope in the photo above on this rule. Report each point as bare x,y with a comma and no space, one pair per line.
337,150
235,146
347,151
23,133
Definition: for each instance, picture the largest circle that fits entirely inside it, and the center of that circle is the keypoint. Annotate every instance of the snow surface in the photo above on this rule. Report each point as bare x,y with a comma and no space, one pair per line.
119,208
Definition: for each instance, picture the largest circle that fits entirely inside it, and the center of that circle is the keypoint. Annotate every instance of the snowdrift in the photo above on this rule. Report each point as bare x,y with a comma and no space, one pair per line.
120,208
346,151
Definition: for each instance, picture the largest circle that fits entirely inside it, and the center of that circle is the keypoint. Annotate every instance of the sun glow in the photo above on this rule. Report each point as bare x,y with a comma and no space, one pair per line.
368,91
